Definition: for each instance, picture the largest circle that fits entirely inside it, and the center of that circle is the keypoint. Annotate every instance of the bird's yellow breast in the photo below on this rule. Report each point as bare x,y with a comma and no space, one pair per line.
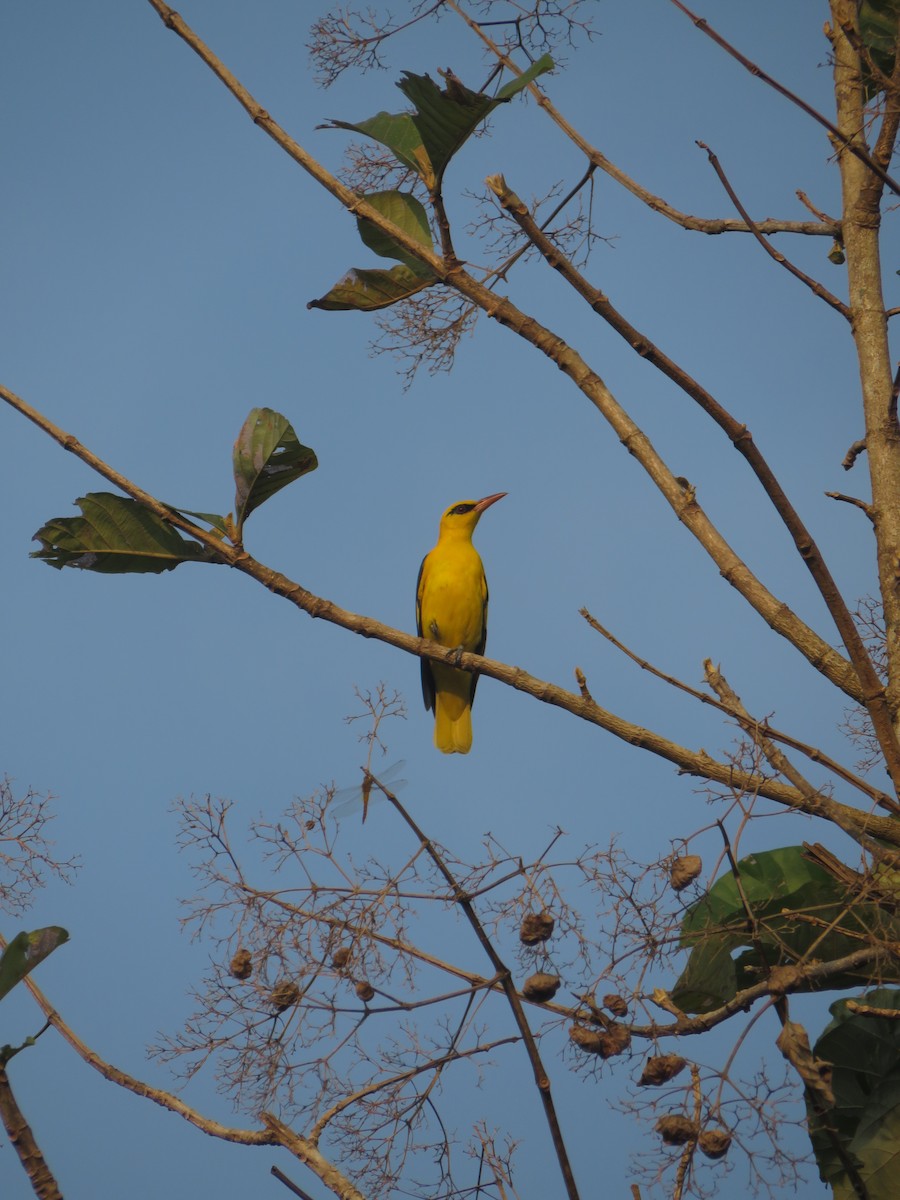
452,595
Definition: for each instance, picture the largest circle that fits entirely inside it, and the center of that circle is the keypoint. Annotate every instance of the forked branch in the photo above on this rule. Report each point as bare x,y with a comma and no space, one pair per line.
777,614
697,763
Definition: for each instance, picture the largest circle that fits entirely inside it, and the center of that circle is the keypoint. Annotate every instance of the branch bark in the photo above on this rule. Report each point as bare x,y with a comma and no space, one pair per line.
697,763
780,618
23,1142
824,227
862,192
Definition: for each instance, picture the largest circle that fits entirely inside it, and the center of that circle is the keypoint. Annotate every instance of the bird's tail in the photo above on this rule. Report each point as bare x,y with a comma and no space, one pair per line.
453,722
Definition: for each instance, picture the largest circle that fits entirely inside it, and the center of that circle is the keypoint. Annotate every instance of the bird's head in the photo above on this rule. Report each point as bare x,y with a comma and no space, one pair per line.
462,517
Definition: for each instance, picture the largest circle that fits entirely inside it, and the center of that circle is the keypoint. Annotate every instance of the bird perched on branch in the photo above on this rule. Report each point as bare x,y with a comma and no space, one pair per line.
451,608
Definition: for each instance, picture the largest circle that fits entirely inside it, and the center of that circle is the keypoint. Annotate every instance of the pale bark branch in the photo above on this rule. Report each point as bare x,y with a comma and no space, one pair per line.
871,686
777,614
814,286
813,753
23,1142
843,138
861,201
275,1133
804,978
855,501
505,981
696,763
822,228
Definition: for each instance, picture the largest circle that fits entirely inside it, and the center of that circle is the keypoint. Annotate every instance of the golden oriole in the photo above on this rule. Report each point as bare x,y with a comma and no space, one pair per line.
451,608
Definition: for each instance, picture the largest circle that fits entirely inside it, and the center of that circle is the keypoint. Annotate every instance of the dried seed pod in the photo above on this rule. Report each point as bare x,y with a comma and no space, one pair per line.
364,990
661,1069
241,966
714,1143
616,1004
685,870
341,957
535,928
540,986
676,1130
615,1040
588,1040
604,1042
284,994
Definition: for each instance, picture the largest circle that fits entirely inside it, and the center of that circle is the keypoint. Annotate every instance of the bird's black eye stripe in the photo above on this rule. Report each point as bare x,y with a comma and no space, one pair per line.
462,508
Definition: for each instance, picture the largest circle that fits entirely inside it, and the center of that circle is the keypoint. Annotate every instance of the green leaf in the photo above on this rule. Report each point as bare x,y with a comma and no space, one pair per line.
367,291
115,535
878,26
541,67
397,131
408,214
864,1052
424,141
267,457
793,902
24,953
444,118
218,522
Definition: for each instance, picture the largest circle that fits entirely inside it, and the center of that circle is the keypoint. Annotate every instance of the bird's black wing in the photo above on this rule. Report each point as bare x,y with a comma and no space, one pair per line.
424,663
479,649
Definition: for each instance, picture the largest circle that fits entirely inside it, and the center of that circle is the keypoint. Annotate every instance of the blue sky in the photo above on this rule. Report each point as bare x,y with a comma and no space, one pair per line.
158,254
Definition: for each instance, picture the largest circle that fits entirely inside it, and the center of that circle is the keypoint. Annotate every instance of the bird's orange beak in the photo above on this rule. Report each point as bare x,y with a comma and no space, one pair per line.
488,501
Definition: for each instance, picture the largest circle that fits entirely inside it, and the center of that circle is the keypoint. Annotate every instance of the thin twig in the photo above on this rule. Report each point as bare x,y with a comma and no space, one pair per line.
813,753
704,26
289,1183
855,501
599,160
814,286
541,1078
853,454
697,763
733,569
872,687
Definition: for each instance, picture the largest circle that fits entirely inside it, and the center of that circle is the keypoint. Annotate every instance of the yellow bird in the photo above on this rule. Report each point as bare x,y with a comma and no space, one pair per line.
451,608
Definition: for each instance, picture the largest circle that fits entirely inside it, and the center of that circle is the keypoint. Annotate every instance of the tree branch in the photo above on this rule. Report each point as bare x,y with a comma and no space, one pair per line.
861,204
697,763
872,688
843,139
505,980
733,569
814,286
23,1142
275,1133
822,228
813,753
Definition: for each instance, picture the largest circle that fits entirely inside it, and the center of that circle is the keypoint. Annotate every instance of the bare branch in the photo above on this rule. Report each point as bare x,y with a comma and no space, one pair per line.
26,853
541,1078
814,286
876,702
690,762
849,459
843,139
23,1142
601,162
732,568
813,753
855,501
